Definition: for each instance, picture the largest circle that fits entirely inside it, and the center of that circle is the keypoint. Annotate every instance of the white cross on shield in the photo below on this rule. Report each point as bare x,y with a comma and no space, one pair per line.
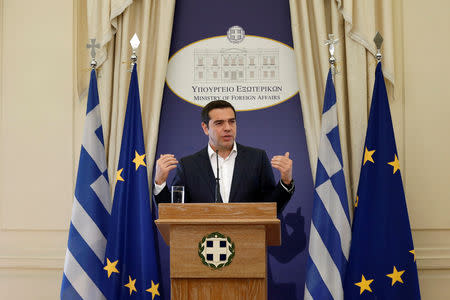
216,250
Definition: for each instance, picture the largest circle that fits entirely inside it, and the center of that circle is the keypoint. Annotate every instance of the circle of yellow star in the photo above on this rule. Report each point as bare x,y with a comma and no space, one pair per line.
357,201
119,175
396,276
368,156
364,285
131,284
111,267
153,290
139,160
395,164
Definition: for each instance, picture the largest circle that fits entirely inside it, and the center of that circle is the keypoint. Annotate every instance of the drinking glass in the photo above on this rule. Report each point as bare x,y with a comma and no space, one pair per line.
177,195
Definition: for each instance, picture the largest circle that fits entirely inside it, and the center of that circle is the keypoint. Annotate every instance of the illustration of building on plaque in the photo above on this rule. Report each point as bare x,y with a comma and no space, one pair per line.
236,65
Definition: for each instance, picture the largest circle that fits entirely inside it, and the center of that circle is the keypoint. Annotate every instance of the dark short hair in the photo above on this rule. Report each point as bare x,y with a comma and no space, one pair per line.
213,105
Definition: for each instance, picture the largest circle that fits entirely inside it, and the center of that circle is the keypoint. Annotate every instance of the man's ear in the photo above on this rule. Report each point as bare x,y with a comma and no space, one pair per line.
205,128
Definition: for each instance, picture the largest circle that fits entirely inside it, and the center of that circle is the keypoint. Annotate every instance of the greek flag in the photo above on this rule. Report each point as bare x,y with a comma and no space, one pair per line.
83,268
330,233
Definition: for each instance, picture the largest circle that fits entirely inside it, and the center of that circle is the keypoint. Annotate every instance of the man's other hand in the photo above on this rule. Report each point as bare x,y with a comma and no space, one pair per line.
165,164
283,164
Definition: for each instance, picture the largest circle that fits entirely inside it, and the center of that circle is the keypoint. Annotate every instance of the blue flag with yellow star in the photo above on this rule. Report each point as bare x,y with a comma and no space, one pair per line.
382,258
131,270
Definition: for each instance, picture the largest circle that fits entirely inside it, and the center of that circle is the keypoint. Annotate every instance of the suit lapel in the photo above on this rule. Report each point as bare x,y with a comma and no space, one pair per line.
204,164
239,169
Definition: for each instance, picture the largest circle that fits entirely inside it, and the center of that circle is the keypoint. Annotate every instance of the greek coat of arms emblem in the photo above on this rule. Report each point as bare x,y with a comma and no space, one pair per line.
216,250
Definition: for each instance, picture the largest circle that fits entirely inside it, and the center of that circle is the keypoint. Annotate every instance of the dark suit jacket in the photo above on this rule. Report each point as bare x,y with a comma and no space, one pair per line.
252,181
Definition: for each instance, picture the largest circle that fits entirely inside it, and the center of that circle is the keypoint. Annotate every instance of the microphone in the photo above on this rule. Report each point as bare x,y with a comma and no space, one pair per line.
217,194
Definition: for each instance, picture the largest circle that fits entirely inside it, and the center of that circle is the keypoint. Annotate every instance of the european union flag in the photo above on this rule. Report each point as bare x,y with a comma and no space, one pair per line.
382,258
131,269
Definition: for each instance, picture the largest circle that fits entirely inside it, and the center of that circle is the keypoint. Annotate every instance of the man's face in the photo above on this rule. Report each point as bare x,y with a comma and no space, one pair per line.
221,128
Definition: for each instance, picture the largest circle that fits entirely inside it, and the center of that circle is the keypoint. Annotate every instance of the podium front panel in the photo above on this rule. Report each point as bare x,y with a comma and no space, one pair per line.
250,251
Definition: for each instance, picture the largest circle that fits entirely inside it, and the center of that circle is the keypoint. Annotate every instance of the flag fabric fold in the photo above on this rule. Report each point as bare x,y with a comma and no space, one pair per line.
131,269
330,232
382,257
83,274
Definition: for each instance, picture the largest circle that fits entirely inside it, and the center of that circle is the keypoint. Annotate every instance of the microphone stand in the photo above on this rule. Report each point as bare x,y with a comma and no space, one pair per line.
217,194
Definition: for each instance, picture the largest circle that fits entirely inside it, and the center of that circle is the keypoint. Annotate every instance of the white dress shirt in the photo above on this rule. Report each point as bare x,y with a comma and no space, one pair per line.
226,168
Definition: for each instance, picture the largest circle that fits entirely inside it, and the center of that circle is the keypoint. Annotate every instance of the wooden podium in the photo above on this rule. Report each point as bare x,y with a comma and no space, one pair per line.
250,226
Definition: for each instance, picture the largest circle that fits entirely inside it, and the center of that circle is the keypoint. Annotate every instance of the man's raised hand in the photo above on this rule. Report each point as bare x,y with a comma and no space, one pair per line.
164,164
283,164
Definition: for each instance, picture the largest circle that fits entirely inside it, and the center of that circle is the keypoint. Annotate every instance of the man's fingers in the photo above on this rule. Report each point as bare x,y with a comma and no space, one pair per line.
277,158
169,163
166,158
164,164
281,167
173,163
170,168
281,159
276,167
283,164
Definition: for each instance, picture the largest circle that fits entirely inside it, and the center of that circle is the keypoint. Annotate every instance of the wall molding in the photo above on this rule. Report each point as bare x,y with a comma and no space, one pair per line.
432,248
433,258
32,263
427,259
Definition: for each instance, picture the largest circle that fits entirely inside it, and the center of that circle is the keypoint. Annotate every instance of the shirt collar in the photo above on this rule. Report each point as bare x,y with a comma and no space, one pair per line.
211,151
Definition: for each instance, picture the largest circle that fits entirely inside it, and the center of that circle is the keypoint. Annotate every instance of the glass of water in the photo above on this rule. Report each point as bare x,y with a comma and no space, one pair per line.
177,195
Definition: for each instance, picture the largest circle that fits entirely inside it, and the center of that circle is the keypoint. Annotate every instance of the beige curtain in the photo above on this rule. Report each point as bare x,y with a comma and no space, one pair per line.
113,23
354,23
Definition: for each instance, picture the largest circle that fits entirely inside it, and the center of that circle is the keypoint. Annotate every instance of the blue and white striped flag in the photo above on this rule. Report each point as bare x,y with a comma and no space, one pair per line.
83,267
330,234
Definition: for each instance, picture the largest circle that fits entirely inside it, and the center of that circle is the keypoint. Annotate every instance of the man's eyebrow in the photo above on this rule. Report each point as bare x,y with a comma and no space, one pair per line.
223,120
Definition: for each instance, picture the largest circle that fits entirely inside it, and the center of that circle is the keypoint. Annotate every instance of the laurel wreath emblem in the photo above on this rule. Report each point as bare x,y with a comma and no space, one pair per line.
201,247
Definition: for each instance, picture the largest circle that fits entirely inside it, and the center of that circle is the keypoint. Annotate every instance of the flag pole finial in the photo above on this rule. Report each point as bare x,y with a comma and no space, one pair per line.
134,45
93,46
331,48
378,39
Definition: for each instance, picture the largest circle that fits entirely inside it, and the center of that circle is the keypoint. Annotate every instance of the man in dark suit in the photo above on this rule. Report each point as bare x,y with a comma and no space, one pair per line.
245,173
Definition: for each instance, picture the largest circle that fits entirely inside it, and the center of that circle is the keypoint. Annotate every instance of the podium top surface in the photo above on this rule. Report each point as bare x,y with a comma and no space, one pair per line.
215,211
205,214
